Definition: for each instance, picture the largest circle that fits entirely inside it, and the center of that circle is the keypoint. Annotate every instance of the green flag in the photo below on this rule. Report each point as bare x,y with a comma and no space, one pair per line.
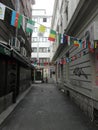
20,20
30,26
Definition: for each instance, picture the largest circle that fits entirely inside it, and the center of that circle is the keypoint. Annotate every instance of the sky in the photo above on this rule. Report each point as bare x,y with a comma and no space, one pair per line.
44,4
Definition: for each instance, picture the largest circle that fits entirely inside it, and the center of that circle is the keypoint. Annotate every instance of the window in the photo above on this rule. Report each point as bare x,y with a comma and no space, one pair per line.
44,19
35,29
48,49
34,39
43,60
36,19
43,49
44,39
40,39
47,30
34,49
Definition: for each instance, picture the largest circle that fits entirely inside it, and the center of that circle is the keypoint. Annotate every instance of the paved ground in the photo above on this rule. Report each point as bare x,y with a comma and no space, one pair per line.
46,108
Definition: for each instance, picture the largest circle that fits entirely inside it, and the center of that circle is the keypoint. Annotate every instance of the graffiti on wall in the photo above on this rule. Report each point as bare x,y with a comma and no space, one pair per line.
79,72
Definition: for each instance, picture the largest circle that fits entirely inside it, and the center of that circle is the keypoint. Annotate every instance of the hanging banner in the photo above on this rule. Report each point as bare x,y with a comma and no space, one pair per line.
2,11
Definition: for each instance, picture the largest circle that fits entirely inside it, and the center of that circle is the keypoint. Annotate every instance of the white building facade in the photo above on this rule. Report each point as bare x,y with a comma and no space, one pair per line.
78,77
42,51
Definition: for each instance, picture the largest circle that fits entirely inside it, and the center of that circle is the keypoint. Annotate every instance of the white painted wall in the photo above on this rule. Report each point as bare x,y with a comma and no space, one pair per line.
46,34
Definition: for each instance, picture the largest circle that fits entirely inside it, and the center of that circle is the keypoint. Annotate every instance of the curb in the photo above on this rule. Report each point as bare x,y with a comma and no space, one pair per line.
7,112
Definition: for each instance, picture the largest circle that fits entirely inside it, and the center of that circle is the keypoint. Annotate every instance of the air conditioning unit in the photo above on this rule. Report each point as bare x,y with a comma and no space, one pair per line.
23,51
91,33
15,43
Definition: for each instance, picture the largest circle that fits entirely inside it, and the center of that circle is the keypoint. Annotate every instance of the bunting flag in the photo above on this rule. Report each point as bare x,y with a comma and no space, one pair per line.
42,29
16,19
23,23
64,61
2,11
63,39
76,43
80,43
19,21
95,44
60,38
90,49
30,26
67,40
52,35
84,45
67,60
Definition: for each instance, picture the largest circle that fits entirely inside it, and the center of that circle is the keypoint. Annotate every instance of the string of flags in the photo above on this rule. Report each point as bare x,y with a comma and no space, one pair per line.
17,21
65,60
40,64
65,39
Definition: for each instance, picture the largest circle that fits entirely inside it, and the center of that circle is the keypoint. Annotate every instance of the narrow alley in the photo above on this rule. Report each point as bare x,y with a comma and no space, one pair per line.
49,64
47,108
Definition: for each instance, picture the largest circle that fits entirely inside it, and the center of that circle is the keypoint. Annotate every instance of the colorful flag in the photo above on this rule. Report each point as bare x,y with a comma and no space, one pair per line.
16,19
2,11
76,43
92,44
67,60
23,23
95,44
80,43
52,35
60,38
30,26
67,39
64,61
19,21
84,45
90,48
64,39
42,29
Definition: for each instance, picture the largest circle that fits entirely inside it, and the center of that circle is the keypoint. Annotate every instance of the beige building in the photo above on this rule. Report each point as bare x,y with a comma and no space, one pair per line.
78,77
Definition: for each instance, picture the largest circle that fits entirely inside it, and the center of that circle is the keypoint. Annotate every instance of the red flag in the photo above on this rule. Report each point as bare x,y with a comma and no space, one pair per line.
16,19
90,49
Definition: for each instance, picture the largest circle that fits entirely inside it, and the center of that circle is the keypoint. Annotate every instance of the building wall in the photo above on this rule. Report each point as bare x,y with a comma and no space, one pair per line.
79,76
72,4
41,41
11,84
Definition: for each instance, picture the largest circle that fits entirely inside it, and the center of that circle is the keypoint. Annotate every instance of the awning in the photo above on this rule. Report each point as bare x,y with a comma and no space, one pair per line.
21,59
12,53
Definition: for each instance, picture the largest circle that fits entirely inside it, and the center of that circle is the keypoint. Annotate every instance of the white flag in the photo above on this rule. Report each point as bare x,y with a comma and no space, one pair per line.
2,11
